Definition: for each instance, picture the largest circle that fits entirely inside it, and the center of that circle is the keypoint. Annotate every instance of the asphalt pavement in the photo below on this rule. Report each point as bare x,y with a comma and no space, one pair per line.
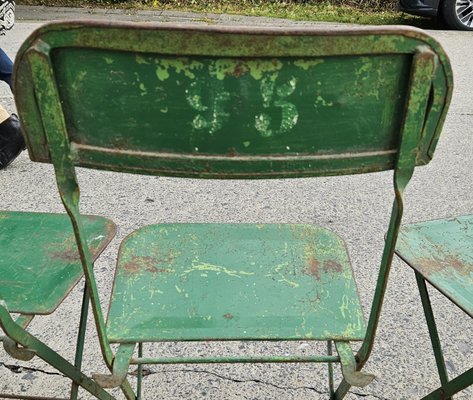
355,207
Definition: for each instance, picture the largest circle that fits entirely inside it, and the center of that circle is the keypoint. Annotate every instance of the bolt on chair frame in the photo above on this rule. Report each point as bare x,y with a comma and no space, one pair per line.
62,67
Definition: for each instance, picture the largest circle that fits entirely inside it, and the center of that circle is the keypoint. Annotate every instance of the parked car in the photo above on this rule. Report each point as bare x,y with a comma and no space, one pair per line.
457,14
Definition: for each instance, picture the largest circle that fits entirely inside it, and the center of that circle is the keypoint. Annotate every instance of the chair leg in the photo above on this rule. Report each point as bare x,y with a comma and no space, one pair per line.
27,340
119,369
349,366
140,372
352,376
80,339
342,390
450,388
434,336
330,372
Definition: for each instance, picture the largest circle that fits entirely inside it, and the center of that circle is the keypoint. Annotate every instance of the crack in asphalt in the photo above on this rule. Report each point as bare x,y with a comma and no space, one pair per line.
242,380
149,372
19,368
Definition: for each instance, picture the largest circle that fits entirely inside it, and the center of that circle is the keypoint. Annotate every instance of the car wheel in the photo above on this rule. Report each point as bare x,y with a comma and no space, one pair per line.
458,14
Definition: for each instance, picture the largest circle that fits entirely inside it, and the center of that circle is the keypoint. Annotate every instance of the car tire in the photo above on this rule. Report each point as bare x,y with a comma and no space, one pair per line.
458,14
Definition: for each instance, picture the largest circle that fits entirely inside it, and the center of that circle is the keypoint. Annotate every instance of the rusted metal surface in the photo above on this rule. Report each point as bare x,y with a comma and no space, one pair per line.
442,252
39,272
227,281
293,85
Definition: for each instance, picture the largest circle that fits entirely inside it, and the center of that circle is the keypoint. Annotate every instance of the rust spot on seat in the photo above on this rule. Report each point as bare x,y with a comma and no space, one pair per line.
329,267
332,266
313,267
69,255
146,263
228,316
429,266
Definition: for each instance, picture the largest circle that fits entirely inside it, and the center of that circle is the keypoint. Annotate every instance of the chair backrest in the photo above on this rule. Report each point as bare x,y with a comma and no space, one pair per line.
231,103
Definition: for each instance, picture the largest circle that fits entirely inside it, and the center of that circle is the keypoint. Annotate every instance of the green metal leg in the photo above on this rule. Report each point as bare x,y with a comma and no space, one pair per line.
330,371
27,340
128,390
140,372
349,367
80,339
450,388
434,336
342,390
120,367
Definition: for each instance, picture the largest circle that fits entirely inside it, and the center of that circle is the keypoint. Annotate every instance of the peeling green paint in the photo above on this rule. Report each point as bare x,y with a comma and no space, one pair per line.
227,67
80,77
178,65
108,60
141,60
143,89
320,101
197,267
306,64
259,68
162,73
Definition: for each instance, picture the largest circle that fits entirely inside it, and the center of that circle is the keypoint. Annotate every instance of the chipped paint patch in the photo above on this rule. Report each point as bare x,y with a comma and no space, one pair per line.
320,101
222,68
259,68
306,64
218,269
178,65
141,60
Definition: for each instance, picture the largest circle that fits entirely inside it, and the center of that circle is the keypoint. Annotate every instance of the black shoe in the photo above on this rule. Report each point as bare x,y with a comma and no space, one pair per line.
11,140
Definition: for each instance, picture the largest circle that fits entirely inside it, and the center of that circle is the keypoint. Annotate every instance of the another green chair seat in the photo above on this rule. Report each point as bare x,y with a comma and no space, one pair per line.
442,252
234,281
39,261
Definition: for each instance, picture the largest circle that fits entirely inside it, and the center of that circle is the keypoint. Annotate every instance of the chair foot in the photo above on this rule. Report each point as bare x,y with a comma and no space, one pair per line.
20,353
119,370
10,345
350,373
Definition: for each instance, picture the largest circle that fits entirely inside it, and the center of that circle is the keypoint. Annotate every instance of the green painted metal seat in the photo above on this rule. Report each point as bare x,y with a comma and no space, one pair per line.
39,266
441,253
232,103
39,259
232,282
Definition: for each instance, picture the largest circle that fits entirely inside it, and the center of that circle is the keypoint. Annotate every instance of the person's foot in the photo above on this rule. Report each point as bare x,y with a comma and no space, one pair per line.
11,140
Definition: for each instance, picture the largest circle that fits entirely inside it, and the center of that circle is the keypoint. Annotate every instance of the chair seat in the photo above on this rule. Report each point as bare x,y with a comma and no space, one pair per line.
234,282
442,252
39,261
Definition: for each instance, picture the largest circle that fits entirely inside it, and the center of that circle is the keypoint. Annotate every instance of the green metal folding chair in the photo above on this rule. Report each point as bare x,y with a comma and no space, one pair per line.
39,266
441,253
232,103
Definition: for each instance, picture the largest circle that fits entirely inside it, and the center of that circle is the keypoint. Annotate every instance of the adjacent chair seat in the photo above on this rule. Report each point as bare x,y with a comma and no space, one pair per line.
39,258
